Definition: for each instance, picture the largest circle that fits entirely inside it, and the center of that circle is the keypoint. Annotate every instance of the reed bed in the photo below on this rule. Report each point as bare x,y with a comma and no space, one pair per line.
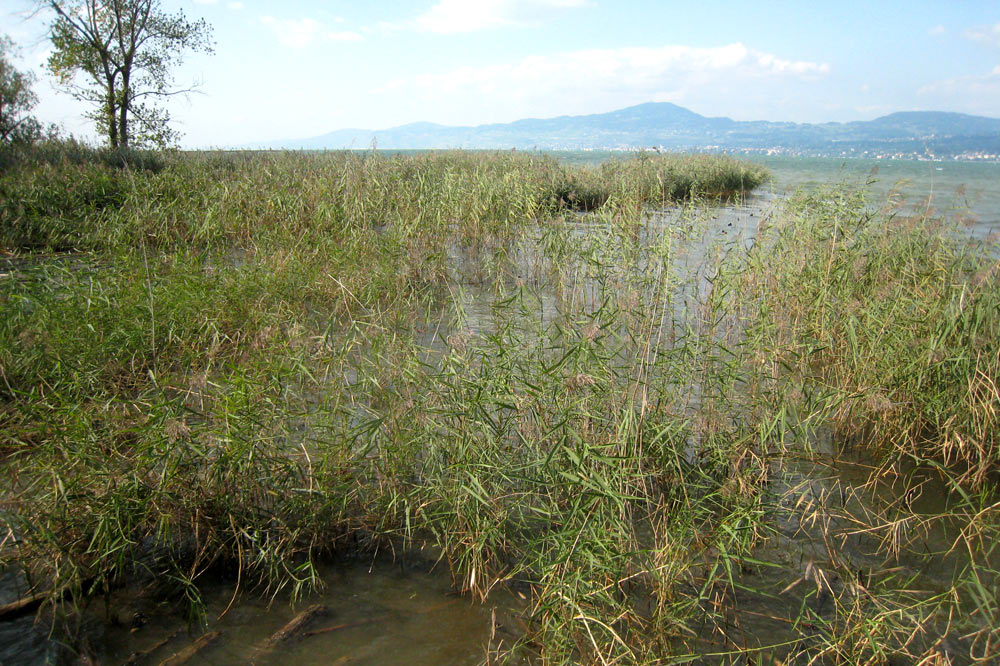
244,363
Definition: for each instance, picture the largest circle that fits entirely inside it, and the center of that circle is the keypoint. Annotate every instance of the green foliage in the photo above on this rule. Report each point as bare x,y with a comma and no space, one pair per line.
123,51
17,99
239,200
56,207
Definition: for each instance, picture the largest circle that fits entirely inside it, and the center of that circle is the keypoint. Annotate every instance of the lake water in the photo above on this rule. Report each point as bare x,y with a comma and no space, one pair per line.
970,190
967,189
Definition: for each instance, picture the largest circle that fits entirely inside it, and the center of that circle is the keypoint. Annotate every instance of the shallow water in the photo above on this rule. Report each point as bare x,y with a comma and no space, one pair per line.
831,554
373,613
22,640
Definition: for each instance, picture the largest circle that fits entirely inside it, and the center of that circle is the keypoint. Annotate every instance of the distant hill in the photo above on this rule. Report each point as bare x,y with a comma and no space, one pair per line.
672,127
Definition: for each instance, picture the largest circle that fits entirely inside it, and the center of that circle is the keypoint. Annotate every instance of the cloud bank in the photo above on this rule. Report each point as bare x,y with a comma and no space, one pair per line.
574,81
974,93
986,34
456,16
302,33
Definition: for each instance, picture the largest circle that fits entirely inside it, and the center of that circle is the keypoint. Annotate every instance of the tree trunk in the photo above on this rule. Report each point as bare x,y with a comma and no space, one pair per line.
123,137
112,120
123,107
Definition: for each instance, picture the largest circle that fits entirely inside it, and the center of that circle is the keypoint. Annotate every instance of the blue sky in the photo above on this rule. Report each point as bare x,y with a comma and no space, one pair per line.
301,68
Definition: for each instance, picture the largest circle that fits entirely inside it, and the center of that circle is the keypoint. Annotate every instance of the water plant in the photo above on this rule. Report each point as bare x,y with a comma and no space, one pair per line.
677,444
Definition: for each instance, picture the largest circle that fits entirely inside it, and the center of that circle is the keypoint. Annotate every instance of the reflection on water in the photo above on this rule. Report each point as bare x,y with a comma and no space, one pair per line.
22,640
851,539
369,613
597,266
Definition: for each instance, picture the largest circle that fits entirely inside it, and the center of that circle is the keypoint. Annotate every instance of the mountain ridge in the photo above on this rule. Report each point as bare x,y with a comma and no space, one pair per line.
672,127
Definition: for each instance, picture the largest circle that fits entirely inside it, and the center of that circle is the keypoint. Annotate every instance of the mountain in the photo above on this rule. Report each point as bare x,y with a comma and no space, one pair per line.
675,128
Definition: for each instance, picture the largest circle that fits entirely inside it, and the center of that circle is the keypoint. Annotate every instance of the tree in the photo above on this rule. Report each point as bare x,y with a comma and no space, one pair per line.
124,50
16,100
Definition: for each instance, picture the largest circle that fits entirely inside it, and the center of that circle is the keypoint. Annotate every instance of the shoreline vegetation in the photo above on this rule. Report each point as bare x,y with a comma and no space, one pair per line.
677,441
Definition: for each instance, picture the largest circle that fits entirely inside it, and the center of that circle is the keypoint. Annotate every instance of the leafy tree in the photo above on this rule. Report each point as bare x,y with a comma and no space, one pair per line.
16,100
123,50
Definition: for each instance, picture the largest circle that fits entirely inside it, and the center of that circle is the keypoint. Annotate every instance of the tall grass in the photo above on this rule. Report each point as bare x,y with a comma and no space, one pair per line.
251,361
898,316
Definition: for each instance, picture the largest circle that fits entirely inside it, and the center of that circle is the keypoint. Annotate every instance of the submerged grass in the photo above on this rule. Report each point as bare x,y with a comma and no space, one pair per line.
246,362
897,316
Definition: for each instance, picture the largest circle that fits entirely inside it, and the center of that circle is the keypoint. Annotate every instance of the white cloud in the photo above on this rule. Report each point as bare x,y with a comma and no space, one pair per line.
233,4
874,110
345,36
294,33
937,30
301,33
603,79
453,16
974,93
644,70
987,34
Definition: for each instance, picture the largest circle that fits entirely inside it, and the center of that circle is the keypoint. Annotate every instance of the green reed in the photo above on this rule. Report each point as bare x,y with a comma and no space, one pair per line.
251,361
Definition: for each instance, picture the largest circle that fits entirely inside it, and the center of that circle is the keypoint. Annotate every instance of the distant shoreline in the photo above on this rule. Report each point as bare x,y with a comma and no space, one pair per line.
746,153
668,127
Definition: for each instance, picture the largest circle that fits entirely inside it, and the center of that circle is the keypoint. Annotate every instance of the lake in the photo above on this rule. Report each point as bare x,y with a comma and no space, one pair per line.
970,190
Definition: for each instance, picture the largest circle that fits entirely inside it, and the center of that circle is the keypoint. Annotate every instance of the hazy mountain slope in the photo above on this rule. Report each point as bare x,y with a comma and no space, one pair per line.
674,127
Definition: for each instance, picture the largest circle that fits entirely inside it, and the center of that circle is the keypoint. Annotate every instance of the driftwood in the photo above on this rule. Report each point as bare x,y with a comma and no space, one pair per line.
23,606
191,651
141,655
295,625
291,629
348,625
30,603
